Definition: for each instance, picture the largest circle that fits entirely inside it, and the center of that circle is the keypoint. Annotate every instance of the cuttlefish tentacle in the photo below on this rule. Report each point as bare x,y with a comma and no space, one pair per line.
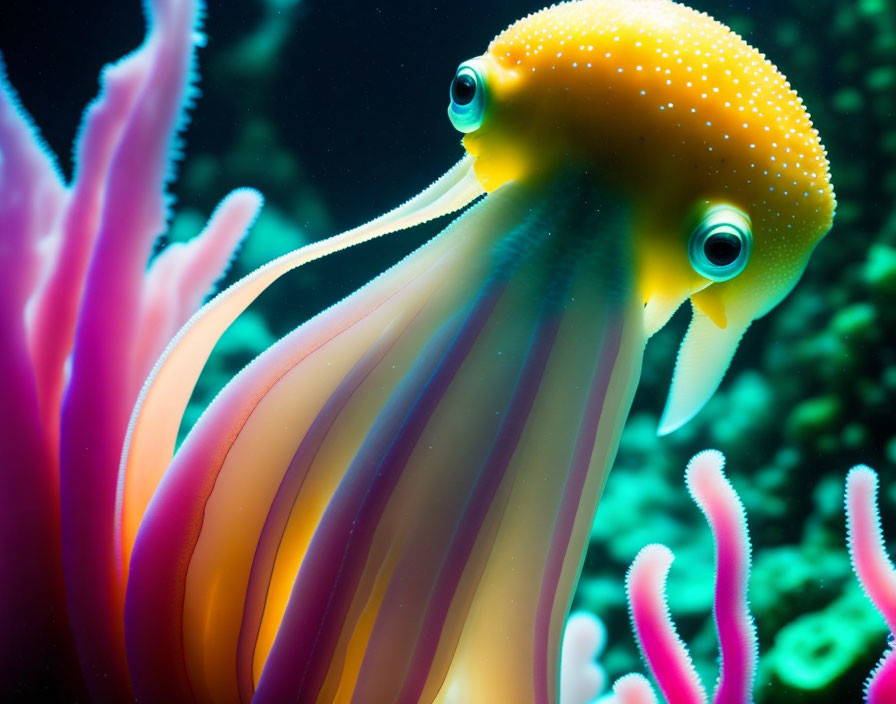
417,510
406,554
273,537
152,432
288,386
360,500
320,615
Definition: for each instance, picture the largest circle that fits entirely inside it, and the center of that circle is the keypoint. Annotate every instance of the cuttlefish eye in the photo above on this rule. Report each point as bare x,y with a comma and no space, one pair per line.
467,97
720,245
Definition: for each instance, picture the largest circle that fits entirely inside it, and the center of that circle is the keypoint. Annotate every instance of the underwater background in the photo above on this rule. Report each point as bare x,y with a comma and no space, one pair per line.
335,110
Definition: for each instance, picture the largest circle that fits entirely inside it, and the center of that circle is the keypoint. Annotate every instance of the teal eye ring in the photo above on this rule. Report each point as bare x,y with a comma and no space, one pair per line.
720,245
467,95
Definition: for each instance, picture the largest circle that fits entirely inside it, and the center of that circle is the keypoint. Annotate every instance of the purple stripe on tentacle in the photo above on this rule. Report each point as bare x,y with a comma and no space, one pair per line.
173,520
284,501
566,515
477,508
310,629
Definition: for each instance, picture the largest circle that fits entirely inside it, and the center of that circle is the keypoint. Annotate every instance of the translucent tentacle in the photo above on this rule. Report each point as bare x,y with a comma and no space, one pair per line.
185,272
292,382
154,423
397,464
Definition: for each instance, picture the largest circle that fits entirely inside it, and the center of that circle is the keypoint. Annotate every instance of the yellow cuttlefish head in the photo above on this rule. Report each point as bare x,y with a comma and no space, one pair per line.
727,180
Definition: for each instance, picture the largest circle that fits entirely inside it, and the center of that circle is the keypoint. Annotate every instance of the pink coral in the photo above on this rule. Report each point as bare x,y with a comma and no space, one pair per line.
581,678
874,570
666,655
84,318
633,689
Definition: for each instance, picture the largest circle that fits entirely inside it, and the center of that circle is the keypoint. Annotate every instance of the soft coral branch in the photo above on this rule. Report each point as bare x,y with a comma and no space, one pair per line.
737,634
100,394
874,570
633,689
57,300
79,316
666,655
32,613
581,678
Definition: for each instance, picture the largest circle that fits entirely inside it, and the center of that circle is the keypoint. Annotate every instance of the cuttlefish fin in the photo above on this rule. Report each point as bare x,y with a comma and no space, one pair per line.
703,358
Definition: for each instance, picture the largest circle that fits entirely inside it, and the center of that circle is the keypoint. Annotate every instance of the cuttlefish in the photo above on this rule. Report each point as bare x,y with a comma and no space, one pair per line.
392,503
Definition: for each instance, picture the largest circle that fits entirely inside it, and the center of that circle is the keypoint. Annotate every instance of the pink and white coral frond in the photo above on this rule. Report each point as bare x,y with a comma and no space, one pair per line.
581,678
737,633
666,654
633,689
874,569
83,320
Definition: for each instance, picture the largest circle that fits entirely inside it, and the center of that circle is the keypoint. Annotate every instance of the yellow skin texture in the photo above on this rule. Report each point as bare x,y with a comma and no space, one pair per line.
673,110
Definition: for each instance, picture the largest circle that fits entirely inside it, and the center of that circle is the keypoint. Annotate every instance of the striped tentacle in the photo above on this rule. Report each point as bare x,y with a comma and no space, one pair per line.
446,538
391,504
510,641
391,547
215,501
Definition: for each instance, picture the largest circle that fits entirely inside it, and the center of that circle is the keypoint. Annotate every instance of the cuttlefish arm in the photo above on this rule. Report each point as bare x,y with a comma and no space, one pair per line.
441,568
154,424
155,421
389,496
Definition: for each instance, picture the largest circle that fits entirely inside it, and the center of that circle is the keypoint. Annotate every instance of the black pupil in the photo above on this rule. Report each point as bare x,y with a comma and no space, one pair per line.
463,88
722,249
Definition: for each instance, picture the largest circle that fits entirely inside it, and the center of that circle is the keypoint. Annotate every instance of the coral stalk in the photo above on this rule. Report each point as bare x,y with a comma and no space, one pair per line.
666,655
737,634
874,570
581,678
99,398
83,321
33,626
633,689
